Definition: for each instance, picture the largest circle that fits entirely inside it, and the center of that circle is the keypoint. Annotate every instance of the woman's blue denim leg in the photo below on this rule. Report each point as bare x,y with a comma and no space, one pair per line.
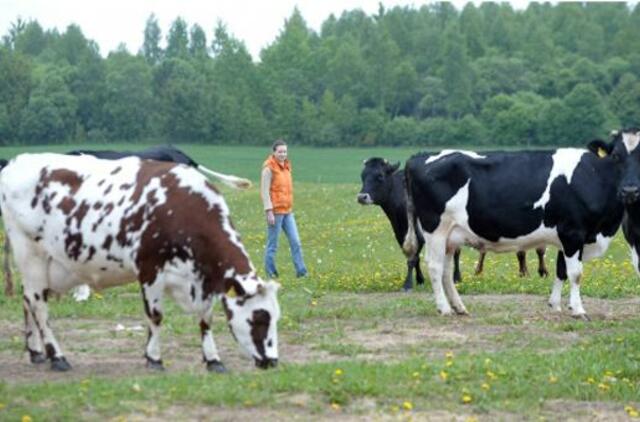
291,230
272,247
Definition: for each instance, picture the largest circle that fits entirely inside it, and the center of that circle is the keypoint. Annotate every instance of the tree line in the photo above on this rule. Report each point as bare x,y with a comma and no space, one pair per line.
430,76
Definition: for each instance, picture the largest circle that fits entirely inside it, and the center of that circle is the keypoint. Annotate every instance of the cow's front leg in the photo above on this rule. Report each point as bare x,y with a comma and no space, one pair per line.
435,258
522,264
574,273
542,268
411,264
152,297
209,350
556,291
33,340
450,288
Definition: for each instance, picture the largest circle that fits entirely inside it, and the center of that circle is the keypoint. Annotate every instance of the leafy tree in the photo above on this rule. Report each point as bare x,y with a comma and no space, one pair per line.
587,113
15,88
177,40
151,46
625,100
456,73
198,43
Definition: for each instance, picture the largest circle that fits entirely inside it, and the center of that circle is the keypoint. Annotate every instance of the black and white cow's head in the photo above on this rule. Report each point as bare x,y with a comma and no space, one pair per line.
376,181
624,150
253,320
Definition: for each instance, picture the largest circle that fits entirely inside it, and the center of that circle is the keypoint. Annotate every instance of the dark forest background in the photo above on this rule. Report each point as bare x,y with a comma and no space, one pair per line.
484,75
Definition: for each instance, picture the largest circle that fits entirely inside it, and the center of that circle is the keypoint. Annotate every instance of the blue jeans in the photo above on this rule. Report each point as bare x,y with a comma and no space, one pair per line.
287,223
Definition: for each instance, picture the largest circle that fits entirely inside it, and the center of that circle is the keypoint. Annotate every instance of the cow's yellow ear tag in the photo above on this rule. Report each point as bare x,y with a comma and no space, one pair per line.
601,152
231,292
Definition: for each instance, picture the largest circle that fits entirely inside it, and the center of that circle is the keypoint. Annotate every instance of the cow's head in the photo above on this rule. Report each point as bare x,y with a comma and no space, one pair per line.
624,150
253,320
376,181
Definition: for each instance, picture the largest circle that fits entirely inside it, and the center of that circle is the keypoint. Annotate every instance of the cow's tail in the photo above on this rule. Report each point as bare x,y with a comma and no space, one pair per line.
410,245
8,276
229,180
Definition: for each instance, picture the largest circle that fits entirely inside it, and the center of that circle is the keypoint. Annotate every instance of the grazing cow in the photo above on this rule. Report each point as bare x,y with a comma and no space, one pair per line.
166,153
77,219
570,198
383,185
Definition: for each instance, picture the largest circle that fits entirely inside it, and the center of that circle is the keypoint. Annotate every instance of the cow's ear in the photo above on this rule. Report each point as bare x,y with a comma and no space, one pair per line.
393,167
600,148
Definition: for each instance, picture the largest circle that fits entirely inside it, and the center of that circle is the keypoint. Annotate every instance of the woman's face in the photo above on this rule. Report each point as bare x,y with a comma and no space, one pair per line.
280,153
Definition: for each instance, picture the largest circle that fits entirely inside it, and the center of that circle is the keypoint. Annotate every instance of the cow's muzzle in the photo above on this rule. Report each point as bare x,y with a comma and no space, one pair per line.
630,194
364,199
266,363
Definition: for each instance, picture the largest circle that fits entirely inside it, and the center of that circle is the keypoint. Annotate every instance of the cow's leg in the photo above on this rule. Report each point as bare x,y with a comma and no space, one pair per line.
435,258
561,276
574,273
33,339
480,265
152,297
522,263
457,277
209,350
8,275
542,268
408,281
450,288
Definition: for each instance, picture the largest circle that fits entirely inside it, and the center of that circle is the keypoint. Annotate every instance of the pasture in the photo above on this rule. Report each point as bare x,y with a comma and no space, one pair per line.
351,345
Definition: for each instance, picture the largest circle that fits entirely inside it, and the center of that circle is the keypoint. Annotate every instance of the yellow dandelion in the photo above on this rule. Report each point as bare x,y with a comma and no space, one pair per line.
2,406
314,303
553,379
26,418
603,386
485,386
416,374
590,380
466,398
335,406
338,372
97,295
448,363
444,375
471,419
449,355
407,405
136,387
491,375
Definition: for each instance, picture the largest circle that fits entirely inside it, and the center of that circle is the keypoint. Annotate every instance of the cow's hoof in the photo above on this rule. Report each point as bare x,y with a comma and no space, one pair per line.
555,308
543,273
37,357
217,367
582,317
155,365
60,364
462,312
445,312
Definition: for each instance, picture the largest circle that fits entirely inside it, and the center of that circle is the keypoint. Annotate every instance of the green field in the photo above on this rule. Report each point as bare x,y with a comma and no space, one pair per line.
351,345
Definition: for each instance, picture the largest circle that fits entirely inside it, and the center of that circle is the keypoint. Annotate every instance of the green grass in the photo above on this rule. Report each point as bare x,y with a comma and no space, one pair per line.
359,340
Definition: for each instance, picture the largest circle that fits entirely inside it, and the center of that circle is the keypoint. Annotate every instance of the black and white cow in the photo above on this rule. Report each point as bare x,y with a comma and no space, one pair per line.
383,185
78,219
570,198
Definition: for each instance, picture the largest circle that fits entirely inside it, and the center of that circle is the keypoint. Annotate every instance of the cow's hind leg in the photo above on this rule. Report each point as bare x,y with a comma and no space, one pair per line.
435,258
480,265
152,298
209,350
457,276
556,291
450,288
411,264
33,339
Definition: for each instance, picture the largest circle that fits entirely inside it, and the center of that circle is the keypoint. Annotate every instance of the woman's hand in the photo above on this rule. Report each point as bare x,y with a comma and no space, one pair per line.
271,219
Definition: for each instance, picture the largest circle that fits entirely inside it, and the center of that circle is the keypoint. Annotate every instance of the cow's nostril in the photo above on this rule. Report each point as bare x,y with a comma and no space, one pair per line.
363,198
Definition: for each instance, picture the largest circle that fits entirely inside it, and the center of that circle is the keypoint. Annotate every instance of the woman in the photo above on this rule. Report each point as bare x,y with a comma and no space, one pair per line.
276,188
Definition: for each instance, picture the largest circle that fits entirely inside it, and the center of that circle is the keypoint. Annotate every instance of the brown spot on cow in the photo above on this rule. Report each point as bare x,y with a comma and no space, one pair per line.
106,192
79,214
107,242
200,228
116,170
260,330
67,204
73,245
97,205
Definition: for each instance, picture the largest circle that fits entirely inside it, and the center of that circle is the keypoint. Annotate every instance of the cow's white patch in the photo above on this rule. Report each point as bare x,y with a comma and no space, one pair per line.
597,249
574,272
556,295
631,141
446,152
565,161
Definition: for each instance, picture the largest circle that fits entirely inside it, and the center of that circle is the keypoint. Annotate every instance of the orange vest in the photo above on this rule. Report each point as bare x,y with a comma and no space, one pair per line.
281,190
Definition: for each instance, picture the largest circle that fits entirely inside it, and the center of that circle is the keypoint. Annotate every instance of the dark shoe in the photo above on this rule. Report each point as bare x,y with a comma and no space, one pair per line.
273,275
301,275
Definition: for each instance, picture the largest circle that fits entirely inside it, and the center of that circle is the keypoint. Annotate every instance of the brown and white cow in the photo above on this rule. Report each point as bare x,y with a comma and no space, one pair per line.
79,219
